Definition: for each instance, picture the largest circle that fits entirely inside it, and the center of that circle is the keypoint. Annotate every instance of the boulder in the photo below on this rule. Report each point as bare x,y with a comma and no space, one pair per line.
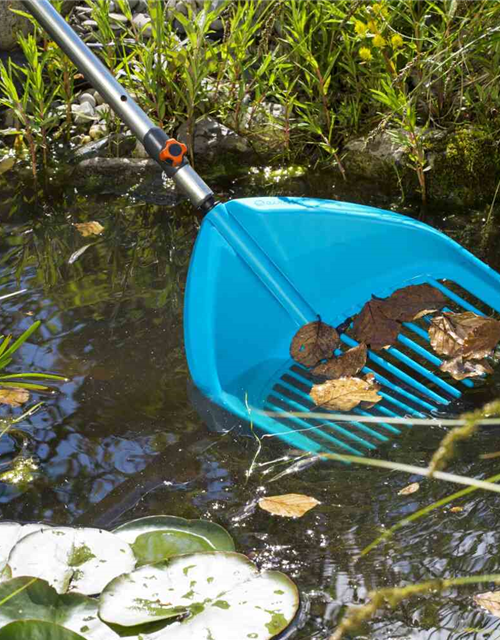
11,23
212,138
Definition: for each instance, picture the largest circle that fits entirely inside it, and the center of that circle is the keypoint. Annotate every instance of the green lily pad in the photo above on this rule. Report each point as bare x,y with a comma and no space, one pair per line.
40,601
214,593
157,538
12,532
37,630
79,560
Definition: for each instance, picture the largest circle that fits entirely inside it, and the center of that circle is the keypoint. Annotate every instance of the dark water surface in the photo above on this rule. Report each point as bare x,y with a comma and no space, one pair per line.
122,439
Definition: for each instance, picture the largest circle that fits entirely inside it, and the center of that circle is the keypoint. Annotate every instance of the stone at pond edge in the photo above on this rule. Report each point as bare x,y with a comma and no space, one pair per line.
463,166
211,138
11,23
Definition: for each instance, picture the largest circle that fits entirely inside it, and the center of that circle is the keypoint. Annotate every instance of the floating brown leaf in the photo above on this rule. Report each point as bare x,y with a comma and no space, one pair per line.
412,302
459,368
314,342
465,334
14,397
348,364
481,339
490,600
291,505
411,488
346,393
89,228
374,328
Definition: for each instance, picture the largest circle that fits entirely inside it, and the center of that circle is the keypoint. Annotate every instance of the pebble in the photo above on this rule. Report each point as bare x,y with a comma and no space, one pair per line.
217,25
103,110
89,24
143,22
87,97
98,131
82,112
118,17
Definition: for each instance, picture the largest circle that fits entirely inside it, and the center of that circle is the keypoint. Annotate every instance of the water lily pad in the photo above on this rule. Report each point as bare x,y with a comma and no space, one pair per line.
214,593
156,538
80,560
37,630
10,533
39,601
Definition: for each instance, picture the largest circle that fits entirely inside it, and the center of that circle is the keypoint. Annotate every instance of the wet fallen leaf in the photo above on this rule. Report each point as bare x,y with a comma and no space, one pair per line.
348,364
459,368
481,339
314,342
413,302
346,393
14,397
291,505
411,488
490,600
466,334
89,228
374,328
456,509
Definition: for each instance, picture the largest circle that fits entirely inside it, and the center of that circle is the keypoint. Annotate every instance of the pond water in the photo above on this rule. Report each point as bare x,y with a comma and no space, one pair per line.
122,439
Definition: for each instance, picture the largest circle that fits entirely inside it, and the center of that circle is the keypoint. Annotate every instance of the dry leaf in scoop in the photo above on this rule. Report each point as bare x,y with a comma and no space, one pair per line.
292,505
490,600
314,342
89,228
413,302
459,368
374,328
466,334
14,397
345,394
348,364
411,488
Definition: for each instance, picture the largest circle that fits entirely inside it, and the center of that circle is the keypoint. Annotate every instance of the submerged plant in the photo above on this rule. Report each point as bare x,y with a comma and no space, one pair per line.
17,380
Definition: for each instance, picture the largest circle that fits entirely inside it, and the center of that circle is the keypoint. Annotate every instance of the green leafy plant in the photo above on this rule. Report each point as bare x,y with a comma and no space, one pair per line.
17,380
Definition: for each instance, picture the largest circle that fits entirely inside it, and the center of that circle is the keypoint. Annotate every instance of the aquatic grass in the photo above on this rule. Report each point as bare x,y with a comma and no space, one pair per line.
16,380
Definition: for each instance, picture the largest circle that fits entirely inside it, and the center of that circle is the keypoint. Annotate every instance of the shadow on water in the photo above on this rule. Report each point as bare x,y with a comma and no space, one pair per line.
122,440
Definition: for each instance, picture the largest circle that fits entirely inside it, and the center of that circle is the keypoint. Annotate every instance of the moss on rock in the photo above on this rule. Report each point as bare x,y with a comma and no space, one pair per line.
465,167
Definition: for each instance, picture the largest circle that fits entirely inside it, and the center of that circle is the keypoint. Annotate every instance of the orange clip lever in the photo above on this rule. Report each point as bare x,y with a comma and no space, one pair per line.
173,152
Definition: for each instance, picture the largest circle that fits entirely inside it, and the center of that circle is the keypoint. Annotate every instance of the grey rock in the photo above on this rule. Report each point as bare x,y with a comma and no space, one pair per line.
87,97
89,24
98,131
140,151
118,17
102,110
11,23
82,113
217,25
121,171
141,6
132,4
116,144
374,156
211,137
143,22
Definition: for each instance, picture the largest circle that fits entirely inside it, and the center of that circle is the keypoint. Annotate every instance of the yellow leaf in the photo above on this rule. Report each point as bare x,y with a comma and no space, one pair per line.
345,393
411,488
490,600
15,397
291,505
456,509
89,228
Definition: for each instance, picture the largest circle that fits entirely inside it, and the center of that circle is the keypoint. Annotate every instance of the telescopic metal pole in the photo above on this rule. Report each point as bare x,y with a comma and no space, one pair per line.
166,151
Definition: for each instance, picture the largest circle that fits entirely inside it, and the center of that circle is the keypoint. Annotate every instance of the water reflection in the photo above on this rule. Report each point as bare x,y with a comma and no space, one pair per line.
122,440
